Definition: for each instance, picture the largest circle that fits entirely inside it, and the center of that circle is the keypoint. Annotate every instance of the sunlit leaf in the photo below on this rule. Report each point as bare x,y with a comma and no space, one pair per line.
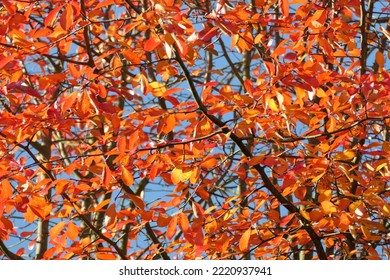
345,155
244,240
171,229
127,177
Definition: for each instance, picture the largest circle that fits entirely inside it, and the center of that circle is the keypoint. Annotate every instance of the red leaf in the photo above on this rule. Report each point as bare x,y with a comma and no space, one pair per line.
11,9
21,203
4,61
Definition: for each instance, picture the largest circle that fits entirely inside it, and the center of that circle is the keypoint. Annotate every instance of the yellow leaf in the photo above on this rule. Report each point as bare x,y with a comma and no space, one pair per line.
325,195
315,179
181,175
176,175
305,214
272,105
380,166
157,88
230,213
386,210
346,155
328,207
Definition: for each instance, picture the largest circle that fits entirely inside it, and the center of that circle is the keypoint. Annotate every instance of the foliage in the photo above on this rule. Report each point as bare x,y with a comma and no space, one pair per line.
194,129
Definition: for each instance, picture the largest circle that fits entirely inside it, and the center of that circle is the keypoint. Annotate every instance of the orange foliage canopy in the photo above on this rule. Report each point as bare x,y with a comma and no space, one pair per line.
194,129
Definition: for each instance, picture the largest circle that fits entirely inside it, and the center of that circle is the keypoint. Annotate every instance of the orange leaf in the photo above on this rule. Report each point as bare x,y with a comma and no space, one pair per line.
66,19
131,57
105,256
169,123
169,2
195,175
84,104
179,175
380,59
127,177
270,67
51,17
209,162
182,47
171,229
211,225
244,240
40,212
102,204
163,220
106,176
328,207
183,222
285,220
366,232
56,230
151,44
285,7
73,231
6,189
137,201
68,101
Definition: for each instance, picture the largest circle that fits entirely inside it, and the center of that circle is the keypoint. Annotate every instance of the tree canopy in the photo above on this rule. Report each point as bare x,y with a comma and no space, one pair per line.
172,129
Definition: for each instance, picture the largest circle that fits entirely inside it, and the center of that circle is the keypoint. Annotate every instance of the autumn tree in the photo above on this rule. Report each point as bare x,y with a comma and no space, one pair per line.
194,129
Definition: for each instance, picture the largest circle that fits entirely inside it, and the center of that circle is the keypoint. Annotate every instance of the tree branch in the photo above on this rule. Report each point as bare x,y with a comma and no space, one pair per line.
260,169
